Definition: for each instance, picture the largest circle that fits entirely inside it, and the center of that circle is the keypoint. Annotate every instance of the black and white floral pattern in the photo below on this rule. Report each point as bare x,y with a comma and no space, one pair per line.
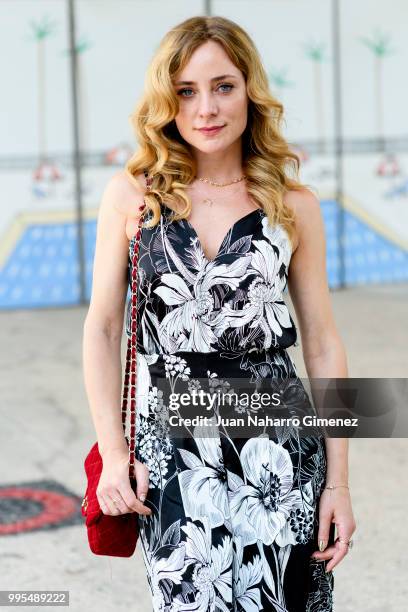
234,519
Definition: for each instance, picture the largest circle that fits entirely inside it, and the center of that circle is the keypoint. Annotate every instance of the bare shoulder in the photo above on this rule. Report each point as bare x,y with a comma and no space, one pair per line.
303,202
306,206
126,194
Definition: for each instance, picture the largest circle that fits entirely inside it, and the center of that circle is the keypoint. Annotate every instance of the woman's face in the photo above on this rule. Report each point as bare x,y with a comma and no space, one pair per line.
207,100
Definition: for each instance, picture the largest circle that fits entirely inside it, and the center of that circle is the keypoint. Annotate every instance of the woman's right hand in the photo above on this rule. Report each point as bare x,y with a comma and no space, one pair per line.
114,484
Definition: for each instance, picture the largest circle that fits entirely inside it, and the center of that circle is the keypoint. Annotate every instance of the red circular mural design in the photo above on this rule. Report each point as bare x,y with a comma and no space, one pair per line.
56,508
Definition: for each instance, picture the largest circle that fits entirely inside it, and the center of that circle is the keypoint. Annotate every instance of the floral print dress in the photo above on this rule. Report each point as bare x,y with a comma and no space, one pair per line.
234,519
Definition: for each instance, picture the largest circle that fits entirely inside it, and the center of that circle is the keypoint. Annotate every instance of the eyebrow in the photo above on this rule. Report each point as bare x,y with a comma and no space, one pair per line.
217,78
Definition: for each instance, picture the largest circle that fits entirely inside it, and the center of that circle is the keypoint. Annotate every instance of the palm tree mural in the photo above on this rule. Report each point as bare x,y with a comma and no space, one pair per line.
279,80
315,53
42,30
81,47
46,172
379,45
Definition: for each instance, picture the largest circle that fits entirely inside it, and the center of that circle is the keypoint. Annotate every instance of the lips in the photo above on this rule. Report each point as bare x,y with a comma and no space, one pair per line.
210,130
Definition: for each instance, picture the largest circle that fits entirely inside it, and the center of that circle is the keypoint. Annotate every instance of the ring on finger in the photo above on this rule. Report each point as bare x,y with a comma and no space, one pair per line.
349,542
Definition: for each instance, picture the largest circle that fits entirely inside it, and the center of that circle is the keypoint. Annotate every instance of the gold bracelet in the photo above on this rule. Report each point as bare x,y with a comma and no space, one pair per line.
336,486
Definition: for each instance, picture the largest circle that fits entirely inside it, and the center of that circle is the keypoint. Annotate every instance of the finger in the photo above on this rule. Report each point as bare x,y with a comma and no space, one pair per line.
142,480
115,510
337,557
106,505
325,555
140,508
118,502
134,504
344,531
324,531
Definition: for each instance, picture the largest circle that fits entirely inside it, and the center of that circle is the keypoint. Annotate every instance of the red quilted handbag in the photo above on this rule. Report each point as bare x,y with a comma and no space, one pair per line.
116,535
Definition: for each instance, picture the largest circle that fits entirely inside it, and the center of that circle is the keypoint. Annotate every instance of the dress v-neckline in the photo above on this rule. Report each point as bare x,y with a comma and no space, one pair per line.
230,229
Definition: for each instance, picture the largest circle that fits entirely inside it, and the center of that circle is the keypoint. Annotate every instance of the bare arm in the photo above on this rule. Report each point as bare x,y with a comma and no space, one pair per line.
325,357
103,326
322,347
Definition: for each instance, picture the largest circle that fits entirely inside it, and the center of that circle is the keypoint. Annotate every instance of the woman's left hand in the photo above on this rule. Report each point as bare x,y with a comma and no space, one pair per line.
335,507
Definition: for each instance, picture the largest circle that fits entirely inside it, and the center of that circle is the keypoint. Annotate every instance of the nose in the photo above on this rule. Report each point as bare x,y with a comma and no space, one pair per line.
207,105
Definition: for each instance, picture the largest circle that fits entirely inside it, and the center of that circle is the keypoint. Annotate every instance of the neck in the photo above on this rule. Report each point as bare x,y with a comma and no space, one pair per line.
220,166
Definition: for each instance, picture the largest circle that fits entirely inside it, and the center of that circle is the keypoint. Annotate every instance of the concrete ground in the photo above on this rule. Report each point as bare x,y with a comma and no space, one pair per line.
46,431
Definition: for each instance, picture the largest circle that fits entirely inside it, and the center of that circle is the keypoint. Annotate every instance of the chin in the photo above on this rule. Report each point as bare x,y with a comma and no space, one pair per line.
212,149
211,145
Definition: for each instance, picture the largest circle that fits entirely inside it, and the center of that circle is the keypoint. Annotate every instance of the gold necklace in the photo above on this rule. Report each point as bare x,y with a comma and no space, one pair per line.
210,201
206,180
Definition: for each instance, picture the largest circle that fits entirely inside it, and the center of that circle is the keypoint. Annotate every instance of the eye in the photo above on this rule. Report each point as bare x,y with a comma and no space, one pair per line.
182,91
227,85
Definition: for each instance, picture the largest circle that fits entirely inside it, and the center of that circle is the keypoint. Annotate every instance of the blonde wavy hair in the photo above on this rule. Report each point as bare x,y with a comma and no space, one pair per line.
267,160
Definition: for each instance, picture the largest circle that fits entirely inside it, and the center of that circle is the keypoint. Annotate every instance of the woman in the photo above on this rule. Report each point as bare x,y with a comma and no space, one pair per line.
227,522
